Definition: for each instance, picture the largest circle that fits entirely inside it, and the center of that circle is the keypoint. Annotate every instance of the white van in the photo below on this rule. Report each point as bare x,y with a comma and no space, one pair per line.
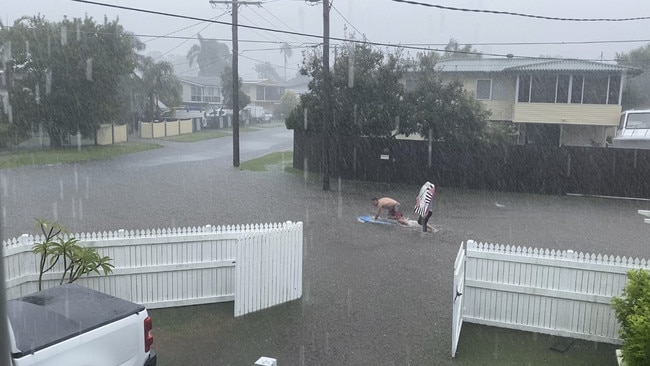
634,130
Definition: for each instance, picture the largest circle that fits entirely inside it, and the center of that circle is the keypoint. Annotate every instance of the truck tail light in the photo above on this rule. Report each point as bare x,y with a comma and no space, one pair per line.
148,338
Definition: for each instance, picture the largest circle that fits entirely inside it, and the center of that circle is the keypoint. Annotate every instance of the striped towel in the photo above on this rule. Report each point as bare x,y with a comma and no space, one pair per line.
424,198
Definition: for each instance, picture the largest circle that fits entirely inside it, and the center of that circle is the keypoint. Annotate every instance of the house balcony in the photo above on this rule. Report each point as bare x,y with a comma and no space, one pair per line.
607,115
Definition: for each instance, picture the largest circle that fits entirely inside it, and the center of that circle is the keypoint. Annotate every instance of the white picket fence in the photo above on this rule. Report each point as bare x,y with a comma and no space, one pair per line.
257,266
546,291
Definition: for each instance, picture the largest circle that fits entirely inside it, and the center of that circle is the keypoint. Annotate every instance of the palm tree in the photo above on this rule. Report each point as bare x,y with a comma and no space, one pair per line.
211,56
159,84
286,50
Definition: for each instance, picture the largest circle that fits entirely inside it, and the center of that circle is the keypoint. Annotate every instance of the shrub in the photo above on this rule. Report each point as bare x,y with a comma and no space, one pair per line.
77,260
632,310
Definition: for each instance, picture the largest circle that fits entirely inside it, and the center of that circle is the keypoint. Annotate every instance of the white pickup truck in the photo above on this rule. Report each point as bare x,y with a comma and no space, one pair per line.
74,325
633,130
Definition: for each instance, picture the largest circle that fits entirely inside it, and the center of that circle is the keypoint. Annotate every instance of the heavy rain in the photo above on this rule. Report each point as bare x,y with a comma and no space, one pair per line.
301,182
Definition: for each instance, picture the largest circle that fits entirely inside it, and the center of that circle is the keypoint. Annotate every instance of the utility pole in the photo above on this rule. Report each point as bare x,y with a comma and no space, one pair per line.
327,125
235,75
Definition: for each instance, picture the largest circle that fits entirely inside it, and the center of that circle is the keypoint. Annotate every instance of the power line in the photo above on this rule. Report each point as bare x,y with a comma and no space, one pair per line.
278,19
347,21
521,14
182,29
185,41
403,46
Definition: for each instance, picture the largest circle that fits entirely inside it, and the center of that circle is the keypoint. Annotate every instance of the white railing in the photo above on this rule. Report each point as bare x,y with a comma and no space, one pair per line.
546,291
177,267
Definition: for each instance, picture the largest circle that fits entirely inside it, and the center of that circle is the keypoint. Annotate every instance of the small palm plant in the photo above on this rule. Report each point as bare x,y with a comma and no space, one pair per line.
632,310
77,260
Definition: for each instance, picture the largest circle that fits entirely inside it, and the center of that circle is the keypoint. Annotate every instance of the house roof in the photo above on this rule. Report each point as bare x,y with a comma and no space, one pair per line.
200,80
531,65
300,80
266,82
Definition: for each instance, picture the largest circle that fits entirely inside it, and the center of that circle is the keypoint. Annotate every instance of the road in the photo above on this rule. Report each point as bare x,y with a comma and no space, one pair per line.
150,189
372,295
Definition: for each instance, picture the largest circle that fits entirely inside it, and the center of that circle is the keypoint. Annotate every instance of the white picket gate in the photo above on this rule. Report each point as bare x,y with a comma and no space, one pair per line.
268,270
561,293
459,289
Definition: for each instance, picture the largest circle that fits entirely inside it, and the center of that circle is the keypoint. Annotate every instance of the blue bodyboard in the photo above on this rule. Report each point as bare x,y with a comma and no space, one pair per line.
380,221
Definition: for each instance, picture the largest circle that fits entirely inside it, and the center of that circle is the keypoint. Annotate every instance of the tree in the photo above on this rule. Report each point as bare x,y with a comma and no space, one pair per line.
366,91
159,84
632,309
288,102
267,71
453,50
76,260
226,90
636,93
72,69
445,110
211,56
370,98
287,52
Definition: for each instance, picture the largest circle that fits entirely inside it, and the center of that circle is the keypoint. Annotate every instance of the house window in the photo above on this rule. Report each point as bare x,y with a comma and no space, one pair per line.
543,89
196,93
483,89
595,90
524,89
576,89
501,90
562,93
614,89
212,96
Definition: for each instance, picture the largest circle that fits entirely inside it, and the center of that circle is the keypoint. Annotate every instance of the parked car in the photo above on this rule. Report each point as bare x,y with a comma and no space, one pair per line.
634,130
74,325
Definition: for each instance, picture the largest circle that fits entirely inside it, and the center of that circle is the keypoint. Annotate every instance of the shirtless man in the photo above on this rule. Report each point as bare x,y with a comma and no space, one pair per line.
392,206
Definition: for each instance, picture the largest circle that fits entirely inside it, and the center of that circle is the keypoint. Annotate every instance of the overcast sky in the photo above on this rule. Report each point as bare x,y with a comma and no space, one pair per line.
383,21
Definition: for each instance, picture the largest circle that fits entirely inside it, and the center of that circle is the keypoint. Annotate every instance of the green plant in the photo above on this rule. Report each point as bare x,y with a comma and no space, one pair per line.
632,310
77,260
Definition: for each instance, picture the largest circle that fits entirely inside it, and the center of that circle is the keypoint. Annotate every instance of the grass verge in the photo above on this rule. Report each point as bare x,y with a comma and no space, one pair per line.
281,159
14,159
199,136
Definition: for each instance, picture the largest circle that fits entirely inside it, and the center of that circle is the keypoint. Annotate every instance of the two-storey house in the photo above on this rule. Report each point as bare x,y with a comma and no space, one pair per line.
551,101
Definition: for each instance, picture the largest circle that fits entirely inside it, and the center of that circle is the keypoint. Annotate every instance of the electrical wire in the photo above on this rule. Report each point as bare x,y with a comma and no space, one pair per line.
401,46
411,2
347,21
182,29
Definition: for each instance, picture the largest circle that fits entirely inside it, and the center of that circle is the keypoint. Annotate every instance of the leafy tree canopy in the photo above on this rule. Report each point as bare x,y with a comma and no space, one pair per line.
636,93
267,71
226,90
288,102
159,83
66,74
381,95
454,50
211,55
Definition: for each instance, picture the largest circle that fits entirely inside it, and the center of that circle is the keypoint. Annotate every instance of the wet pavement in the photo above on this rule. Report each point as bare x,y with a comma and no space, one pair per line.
372,294
381,295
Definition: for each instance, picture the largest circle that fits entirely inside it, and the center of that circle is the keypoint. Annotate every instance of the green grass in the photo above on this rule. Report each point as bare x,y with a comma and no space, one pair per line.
13,159
282,159
199,136
482,345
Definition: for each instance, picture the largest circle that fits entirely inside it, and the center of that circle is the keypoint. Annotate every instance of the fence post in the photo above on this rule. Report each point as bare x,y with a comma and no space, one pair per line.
23,239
